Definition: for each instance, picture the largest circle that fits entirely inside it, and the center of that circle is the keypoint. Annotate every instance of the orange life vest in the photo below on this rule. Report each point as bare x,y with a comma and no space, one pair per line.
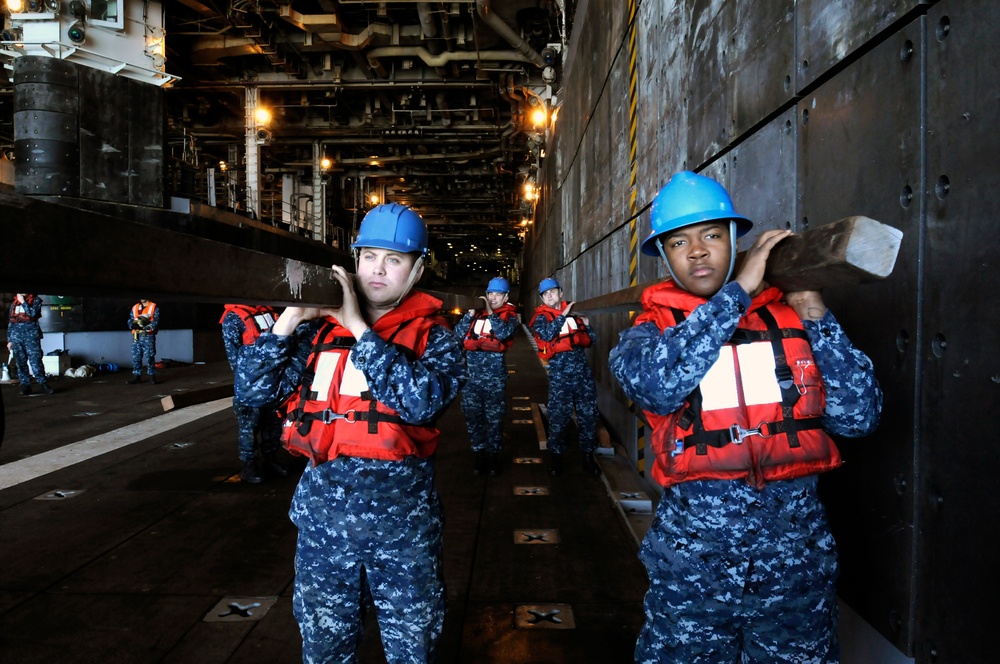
480,335
20,312
333,413
756,413
148,311
256,320
573,333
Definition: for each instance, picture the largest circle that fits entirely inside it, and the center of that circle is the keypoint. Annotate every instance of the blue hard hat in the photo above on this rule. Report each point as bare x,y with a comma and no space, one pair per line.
392,226
689,198
547,283
498,285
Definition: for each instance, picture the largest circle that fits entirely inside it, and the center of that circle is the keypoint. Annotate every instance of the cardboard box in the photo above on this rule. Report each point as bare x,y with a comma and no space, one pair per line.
56,365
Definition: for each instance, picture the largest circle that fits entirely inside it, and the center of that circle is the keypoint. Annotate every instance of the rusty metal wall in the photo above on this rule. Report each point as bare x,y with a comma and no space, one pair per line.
104,134
810,111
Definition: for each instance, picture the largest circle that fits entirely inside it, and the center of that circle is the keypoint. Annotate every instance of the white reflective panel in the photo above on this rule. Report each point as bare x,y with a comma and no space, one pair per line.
482,326
264,321
326,366
569,326
718,387
760,385
354,382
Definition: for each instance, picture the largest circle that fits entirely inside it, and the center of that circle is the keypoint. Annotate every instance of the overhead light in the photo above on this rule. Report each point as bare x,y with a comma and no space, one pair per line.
539,117
76,33
374,199
15,6
223,166
325,163
262,115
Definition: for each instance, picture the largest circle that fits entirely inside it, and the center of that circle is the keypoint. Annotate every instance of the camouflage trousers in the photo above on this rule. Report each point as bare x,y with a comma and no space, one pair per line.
740,575
484,405
144,345
571,387
252,420
26,349
376,523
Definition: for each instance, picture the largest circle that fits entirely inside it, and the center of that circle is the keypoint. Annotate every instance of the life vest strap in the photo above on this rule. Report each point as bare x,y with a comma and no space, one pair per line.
736,434
328,416
744,336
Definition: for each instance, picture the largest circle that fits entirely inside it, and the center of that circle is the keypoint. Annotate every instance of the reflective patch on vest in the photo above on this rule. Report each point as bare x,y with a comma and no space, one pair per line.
759,385
482,326
264,321
19,309
718,387
569,326
326,366
354,382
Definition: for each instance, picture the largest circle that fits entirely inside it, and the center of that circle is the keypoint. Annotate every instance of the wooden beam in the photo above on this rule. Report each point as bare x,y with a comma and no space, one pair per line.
73,251
195,397
78,252
847,252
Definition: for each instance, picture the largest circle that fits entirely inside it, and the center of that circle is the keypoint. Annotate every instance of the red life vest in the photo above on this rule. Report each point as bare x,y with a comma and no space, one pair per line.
148,311
256,320
20,312
333,413
756,414
573,333
480,335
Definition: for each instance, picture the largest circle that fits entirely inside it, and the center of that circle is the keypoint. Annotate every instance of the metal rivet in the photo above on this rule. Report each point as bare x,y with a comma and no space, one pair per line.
906,52
906,197
895,621
938,345
900,483
936,502
943,28
942,187
902,341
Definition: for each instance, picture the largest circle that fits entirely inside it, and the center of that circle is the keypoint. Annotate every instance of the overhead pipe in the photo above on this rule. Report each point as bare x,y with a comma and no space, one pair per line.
485,10
428,26
441,59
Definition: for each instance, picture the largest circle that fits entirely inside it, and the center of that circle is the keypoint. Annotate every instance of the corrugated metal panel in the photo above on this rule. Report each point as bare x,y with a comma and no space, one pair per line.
958,503
762,56
708,97
762,176
828,31
148,144
860,139
104,136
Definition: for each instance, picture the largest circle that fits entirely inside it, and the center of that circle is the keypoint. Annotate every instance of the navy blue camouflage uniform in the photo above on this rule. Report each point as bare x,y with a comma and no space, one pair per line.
484,401
249,419
144,342
362,518
571,386
739,574
25,340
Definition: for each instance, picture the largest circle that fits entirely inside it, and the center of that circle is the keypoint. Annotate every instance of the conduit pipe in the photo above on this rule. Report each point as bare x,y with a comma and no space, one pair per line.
441,59
485,10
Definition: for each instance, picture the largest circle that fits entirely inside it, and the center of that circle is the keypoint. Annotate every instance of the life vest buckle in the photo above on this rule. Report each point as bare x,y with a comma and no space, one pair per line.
329,416
737,433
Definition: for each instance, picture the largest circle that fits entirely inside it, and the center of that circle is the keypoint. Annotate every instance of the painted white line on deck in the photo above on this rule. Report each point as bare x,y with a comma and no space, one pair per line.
16,472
